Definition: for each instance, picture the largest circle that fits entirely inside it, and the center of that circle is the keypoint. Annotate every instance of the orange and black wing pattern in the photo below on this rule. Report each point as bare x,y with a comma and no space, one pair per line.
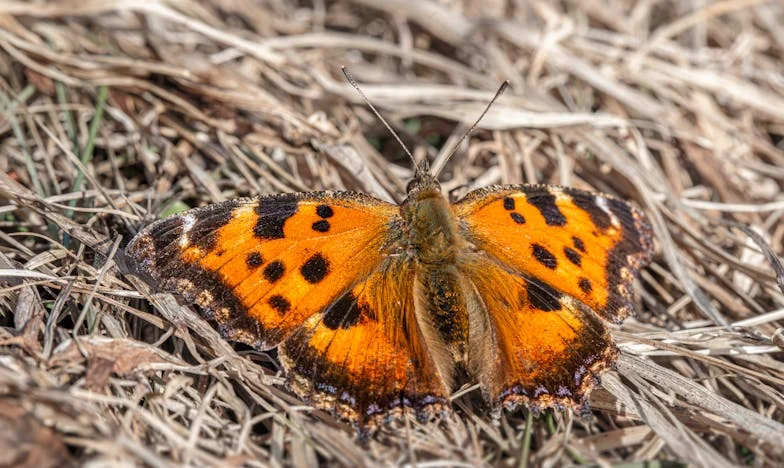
262,267
547,263
550,348
363,356
586,245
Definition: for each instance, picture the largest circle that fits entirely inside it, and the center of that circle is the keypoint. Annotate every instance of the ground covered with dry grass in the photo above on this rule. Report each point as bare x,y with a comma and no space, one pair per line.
118,112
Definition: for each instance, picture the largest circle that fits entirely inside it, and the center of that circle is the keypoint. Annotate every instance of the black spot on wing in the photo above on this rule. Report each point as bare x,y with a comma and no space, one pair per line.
343,313
321,226
324,211
543,297
315,268
509,203
573,256
279,303
587,202
578,244
273,213
517,218
254,260
585,285
544,256
545,203
274,271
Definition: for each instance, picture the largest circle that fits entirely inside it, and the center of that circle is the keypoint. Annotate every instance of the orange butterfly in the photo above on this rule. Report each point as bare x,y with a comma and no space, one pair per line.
375,306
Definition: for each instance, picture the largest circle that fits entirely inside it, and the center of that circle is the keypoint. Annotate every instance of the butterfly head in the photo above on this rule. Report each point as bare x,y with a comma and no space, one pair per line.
423,181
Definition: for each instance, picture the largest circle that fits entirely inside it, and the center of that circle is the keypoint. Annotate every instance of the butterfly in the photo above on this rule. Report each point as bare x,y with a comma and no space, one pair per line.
377,307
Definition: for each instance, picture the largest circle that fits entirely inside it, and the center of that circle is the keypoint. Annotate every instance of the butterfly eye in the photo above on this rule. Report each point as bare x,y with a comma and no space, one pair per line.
422,181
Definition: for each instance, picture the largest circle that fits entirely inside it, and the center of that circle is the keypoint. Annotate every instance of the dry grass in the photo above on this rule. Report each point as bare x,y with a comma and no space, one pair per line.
117,112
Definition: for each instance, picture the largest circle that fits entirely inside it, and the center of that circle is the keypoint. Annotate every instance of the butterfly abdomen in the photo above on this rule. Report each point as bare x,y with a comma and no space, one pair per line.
444,309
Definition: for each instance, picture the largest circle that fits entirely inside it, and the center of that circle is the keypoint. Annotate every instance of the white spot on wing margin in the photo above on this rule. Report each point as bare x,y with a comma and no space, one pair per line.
601,202
187,224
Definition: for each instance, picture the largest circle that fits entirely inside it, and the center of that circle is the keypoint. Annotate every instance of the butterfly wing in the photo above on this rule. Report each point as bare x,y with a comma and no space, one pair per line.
363,357
261,267
547,260
316,272
550,348
586,245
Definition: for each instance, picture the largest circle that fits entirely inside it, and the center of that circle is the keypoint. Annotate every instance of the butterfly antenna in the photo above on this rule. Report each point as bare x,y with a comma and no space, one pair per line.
439,165
378,114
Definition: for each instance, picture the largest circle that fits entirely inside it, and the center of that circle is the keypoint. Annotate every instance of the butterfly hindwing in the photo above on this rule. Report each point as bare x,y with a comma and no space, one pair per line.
263,266
550,348
363,357
586,245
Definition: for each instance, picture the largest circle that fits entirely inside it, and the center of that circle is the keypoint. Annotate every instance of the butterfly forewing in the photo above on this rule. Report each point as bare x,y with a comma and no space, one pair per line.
263,266
586,245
